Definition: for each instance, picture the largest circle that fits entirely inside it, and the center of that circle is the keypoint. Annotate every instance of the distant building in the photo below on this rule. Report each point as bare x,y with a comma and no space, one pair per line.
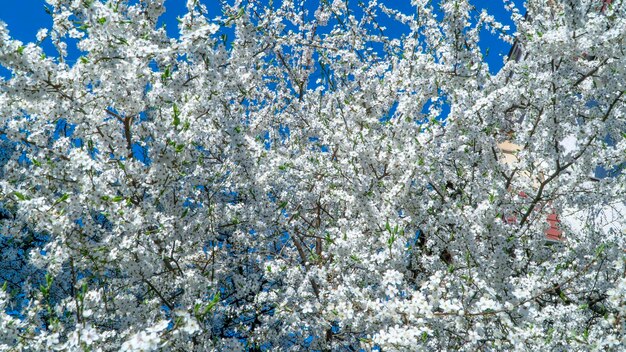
553,231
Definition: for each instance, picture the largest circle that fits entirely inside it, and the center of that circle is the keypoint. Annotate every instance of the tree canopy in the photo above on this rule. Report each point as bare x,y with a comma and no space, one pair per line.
284,179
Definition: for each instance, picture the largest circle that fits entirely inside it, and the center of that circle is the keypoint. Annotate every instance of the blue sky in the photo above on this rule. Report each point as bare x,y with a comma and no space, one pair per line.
25,17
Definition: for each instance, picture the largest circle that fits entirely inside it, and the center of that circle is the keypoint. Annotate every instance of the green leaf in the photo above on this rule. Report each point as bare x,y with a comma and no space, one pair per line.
121,40
176,121
166,74
63,198
214,302
49,279
117,199
20,49
102,20
391,240
600,249
20,196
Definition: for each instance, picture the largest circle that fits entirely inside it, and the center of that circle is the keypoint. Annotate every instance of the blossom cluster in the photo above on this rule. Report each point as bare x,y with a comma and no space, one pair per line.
283,179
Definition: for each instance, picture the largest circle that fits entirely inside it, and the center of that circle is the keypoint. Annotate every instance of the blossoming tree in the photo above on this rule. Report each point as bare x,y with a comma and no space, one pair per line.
303,186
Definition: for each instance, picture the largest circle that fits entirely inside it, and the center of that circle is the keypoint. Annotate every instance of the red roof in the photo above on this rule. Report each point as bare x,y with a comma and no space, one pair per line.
553,233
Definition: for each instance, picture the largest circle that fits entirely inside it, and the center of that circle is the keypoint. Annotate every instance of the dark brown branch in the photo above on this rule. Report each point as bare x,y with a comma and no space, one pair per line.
590,73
